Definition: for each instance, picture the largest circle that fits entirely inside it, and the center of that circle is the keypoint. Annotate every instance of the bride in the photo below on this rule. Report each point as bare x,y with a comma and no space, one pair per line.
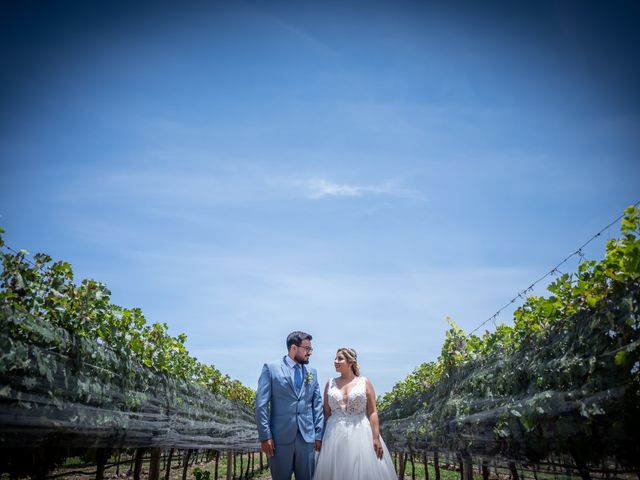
352,447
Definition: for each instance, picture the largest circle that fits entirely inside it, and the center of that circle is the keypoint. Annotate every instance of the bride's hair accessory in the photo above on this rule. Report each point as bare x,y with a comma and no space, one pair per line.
352,358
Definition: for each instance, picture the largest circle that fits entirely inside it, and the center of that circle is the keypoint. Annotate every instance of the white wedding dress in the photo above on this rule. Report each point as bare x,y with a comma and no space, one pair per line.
347,447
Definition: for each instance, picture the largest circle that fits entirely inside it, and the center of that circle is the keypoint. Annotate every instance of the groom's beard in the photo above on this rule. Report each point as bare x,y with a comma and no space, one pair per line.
302,359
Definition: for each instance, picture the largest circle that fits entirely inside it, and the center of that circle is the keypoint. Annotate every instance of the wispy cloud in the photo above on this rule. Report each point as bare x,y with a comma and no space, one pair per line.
318,188
171,188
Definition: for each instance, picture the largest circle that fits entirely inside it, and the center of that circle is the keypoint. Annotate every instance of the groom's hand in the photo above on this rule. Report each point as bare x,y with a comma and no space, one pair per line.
268,447
318,445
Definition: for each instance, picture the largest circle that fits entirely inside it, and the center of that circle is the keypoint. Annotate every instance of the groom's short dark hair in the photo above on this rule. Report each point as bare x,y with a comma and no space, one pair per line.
296,338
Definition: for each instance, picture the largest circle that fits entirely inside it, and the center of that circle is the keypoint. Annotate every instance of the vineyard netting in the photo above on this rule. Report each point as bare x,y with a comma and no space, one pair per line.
560,386
79,373
63,389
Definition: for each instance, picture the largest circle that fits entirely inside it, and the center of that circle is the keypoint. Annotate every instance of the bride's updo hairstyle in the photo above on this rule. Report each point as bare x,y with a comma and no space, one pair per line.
351,357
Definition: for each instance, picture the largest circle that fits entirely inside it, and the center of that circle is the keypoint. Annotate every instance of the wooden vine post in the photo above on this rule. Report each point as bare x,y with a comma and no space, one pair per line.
154,465
246,472
485,469
168,465
514,471
216,471
102,456
467,467
229,467
137,468
401,464
185,463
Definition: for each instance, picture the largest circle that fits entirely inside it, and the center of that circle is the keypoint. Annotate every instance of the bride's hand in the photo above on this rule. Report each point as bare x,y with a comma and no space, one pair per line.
377,447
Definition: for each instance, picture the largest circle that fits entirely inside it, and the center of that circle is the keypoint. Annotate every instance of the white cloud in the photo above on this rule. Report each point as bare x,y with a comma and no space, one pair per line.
171,190
318,188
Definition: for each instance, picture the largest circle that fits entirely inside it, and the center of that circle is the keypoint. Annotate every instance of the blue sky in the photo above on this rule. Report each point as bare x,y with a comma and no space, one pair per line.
358,170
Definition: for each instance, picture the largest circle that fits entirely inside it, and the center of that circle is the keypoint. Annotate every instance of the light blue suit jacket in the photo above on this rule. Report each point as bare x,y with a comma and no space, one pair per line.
281,411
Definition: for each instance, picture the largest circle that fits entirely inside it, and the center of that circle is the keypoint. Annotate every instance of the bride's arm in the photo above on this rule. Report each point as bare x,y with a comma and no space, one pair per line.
372,413
325,404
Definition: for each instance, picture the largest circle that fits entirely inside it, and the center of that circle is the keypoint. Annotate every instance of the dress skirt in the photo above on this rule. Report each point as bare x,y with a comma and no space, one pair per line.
347,451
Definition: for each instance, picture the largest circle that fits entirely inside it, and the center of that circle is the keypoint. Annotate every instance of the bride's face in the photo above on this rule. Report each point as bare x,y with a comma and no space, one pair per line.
341,363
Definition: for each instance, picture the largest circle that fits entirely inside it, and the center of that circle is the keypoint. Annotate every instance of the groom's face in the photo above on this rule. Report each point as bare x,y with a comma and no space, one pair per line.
303,352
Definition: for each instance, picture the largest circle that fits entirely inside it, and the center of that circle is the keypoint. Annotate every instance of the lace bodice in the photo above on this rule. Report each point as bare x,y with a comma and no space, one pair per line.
354,404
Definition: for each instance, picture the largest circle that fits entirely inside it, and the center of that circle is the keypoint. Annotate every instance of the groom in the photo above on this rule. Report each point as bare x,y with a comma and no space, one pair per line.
289,411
